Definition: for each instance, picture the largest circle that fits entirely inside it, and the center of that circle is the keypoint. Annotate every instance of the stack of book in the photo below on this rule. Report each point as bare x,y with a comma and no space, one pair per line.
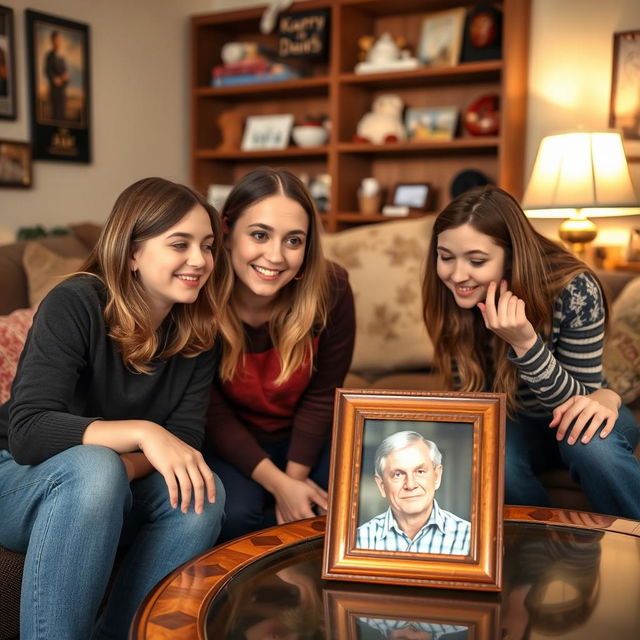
250,72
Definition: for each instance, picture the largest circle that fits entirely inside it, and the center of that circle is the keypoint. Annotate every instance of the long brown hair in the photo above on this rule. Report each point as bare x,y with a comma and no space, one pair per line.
536,268
144,210
302,305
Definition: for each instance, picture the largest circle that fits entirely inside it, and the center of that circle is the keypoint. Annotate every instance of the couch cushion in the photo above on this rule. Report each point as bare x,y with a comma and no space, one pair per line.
622,346
45,269
13,333
385,264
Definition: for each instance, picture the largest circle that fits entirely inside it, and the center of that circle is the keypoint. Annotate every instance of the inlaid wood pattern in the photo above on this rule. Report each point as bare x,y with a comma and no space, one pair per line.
177,608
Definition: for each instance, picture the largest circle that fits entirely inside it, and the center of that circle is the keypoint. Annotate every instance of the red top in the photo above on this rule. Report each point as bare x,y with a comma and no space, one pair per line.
250,409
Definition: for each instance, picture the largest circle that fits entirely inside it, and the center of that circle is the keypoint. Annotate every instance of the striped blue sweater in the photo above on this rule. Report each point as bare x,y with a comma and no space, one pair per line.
569,363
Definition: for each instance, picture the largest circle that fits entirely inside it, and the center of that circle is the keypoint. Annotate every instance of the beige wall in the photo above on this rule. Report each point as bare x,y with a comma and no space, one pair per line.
139,64
140,95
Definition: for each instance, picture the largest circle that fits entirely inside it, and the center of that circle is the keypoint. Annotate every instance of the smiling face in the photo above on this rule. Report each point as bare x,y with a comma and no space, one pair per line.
174,265
467,262
267,245
409,481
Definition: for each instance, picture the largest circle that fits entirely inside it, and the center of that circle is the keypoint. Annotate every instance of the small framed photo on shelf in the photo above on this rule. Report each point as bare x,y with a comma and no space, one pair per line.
409,461
267,132
431,123
441,38
624,113
413,195
7,65
15,164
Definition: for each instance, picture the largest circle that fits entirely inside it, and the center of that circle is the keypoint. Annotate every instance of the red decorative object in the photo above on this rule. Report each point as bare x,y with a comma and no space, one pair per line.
482,117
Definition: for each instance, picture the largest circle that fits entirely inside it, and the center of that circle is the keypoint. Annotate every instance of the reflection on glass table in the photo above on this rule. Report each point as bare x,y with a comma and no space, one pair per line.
559,582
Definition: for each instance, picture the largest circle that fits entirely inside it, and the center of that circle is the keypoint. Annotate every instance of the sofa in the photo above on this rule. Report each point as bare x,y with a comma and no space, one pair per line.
392,349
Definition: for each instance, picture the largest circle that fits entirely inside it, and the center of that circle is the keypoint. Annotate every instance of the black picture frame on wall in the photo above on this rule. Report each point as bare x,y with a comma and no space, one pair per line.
8,109
59,87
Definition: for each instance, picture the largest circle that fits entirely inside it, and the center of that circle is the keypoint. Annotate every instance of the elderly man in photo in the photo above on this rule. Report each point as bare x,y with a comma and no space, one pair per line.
408,471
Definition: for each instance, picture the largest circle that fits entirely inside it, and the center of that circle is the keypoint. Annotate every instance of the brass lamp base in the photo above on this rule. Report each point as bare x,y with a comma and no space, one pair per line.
578,231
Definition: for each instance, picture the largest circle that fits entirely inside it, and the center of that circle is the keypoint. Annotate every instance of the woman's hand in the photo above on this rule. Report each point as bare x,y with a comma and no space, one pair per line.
508,319
136,465
295,499
183,467
598,409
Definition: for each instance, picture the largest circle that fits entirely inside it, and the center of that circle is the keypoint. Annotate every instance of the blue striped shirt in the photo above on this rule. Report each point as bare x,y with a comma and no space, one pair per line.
444,532
569,362
437,631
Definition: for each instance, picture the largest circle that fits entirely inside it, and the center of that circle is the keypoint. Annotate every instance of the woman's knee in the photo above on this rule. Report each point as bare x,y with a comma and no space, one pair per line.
93,477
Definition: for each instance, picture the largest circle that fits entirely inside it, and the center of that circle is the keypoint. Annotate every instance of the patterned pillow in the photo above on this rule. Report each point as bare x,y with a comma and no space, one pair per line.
13,333
622,346
45,269
385,264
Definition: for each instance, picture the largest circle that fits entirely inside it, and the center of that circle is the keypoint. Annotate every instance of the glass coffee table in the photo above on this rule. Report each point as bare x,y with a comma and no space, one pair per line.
567,574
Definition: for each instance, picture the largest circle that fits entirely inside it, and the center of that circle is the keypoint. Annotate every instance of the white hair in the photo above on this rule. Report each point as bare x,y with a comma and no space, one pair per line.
400,440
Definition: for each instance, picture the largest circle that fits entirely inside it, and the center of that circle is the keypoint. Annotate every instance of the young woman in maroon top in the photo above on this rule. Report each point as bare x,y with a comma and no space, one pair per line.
288,330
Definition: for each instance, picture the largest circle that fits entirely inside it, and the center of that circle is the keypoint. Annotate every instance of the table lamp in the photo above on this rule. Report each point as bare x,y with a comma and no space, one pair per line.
577,171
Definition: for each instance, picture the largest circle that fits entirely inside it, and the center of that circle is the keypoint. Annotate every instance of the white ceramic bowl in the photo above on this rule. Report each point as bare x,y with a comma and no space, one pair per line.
309,135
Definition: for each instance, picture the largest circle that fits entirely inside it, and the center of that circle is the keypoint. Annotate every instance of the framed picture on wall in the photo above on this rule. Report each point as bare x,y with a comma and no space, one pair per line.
7,65
15,164
59,87
416,489
624,113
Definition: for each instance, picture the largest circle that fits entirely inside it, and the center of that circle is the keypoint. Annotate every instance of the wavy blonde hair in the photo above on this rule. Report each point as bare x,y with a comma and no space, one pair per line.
144,210
301,306
536,269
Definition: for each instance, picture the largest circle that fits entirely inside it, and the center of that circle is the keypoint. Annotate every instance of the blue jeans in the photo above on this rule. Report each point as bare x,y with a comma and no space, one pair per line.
69,514
252,507
606,469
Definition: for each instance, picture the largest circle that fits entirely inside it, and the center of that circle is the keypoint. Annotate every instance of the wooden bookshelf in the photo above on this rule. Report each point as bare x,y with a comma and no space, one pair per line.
334,89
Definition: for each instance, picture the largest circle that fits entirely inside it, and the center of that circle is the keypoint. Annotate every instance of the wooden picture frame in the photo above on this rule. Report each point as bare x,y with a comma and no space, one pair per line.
16,169
469,429
417,196
8,108
441,37
346,610
59,87
624,111
427,124
267,132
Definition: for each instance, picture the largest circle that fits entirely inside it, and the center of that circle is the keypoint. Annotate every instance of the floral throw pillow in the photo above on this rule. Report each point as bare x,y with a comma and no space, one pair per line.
13,333
385,263
622,346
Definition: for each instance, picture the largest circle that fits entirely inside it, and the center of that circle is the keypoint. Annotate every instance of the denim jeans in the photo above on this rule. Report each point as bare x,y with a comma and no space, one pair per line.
69,514
606,469
252,507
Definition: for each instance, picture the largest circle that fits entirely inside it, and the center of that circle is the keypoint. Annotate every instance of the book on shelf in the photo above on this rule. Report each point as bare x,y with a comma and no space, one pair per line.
254,78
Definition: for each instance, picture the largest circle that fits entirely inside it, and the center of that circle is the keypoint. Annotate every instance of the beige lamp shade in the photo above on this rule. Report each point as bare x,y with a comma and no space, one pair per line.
580,170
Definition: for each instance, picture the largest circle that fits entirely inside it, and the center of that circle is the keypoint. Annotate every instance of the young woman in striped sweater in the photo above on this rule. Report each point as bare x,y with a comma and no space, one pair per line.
510,311
288,330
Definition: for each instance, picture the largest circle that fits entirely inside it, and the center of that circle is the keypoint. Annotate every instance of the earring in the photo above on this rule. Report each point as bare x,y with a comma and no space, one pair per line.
299,276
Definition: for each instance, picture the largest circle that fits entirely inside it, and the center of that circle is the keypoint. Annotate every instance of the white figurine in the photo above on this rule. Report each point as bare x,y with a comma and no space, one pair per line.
384,121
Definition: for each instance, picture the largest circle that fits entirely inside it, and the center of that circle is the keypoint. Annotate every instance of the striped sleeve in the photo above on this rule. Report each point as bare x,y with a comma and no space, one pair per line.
572,363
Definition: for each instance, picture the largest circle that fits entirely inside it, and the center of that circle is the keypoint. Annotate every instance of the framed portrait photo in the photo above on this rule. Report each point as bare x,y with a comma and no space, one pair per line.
441,37
624,112
416,196
15,164
416,489
59,87
7,65
431,124
376,613
267,132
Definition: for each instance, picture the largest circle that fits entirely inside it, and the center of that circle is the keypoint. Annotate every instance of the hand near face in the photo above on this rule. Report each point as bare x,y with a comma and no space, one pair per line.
507,319
587,414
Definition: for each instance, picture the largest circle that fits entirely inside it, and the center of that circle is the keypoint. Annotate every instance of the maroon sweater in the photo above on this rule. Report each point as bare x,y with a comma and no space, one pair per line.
251,410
